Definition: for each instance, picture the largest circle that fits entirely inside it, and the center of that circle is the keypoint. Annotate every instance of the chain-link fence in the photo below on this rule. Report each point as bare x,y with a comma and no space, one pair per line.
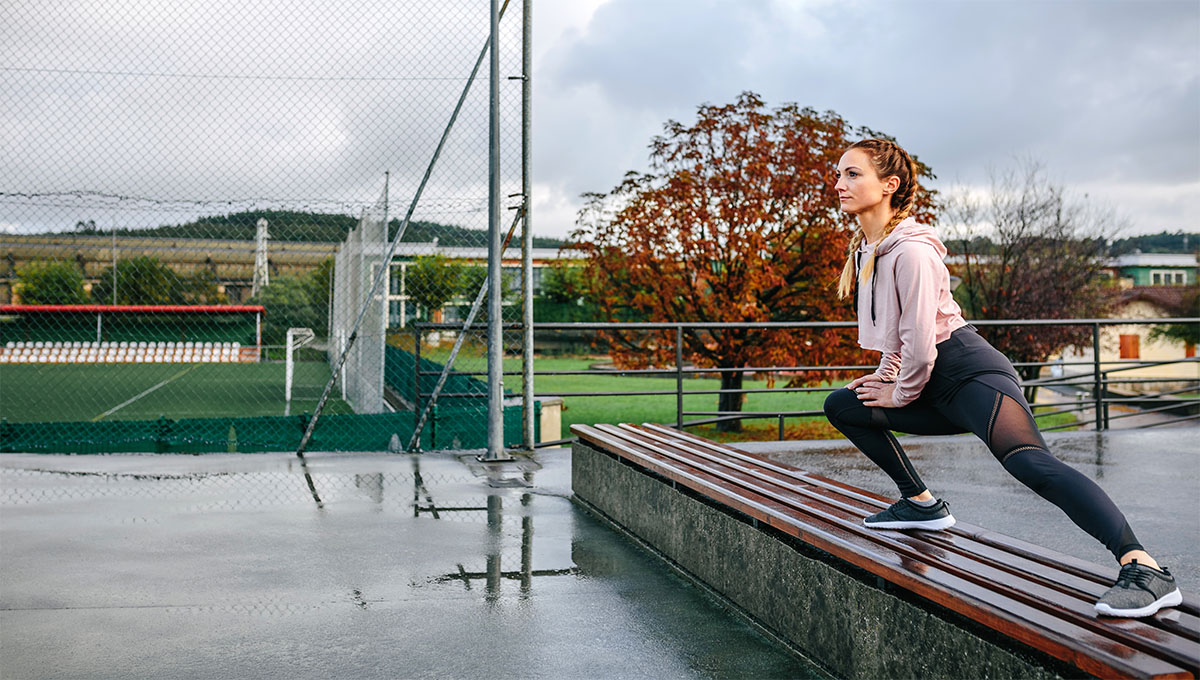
186,187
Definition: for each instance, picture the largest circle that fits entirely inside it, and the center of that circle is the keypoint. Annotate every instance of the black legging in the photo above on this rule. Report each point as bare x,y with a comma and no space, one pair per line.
991,406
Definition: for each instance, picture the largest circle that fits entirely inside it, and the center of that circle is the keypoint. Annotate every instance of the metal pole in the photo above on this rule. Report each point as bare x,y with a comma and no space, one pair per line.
114,257
287,373
415,444
1096,372
495,422
679,377
527,403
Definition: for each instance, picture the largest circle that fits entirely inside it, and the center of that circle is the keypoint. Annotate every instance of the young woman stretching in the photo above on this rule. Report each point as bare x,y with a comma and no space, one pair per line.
938,376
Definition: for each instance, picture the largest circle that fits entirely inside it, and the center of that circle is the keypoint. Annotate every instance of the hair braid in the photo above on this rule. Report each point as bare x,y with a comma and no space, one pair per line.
889,159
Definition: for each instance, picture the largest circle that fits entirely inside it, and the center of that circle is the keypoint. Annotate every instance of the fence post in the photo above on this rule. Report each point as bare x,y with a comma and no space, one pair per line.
780,427
1103,389
1099,393
418,409
679,377
527,392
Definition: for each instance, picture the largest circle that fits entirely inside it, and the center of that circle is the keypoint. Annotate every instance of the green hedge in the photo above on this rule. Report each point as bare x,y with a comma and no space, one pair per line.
449,427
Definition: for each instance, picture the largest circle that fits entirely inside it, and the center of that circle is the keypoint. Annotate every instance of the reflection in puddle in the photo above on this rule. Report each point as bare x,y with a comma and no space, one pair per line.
493,573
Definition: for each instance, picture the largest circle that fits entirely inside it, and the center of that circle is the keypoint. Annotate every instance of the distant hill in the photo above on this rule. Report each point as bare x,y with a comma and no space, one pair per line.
308,226
1164,242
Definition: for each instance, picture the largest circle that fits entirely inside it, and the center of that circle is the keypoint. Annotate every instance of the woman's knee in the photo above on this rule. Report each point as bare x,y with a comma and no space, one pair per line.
839,402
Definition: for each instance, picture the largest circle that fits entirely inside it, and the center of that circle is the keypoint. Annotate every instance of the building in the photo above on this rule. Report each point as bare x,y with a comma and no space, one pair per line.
1155,269
401,305
1152,286
230,261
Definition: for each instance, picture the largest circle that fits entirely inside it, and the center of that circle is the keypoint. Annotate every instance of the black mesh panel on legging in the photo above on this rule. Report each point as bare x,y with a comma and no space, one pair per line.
1013,438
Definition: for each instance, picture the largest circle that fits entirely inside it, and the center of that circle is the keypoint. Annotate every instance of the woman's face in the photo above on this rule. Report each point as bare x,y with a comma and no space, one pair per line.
859,187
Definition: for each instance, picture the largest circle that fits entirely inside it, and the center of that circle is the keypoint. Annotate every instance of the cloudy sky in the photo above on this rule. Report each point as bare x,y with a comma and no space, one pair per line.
138,112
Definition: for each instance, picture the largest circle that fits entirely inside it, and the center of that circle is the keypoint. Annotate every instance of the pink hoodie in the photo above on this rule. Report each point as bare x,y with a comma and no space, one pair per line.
906,309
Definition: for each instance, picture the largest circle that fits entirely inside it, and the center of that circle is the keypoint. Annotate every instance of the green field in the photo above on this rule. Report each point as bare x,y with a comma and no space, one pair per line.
102,392
661,409
90,392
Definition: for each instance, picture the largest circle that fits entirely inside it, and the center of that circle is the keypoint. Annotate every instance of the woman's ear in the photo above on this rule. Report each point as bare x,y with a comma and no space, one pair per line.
890,185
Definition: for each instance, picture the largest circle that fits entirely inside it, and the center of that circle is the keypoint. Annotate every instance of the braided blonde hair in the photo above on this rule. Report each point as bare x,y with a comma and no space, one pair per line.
888,159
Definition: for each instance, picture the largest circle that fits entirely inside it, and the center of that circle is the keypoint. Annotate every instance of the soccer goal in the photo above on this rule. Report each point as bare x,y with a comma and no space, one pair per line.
296,338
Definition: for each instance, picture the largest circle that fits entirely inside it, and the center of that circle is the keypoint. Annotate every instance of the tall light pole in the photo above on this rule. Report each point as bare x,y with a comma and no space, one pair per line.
495,349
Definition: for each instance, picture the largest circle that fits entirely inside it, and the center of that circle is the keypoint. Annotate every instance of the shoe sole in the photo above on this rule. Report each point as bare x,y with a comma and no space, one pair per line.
1171,599
929,524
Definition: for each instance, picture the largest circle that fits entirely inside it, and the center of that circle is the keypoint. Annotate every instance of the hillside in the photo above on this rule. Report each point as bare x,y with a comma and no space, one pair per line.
308,226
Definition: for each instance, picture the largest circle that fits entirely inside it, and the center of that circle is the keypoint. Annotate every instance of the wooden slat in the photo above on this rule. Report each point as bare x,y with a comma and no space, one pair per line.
984,545
961,557
903,563
1099,574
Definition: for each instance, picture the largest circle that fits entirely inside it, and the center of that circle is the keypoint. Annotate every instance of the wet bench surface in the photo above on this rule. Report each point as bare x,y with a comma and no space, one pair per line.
1030,594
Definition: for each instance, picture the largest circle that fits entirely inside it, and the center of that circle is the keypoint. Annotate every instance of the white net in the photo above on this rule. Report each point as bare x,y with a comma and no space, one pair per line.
355,266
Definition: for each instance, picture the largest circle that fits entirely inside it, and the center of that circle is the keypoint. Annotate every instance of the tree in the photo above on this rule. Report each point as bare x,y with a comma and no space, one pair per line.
51,283
319,283
142,280
1046,261
202,288
288,304
1182,333
563,283
433,280
737,220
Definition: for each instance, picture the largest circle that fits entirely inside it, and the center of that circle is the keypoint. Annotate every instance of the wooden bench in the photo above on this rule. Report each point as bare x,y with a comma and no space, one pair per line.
1025,593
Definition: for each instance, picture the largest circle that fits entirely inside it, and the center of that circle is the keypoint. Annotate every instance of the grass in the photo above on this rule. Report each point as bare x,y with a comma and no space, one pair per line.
84,392
661,409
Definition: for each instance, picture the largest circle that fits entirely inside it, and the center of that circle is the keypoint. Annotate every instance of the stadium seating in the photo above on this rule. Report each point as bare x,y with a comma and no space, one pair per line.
140,352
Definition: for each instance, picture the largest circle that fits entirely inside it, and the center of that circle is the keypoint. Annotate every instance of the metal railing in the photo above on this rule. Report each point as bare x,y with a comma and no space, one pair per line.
1095,388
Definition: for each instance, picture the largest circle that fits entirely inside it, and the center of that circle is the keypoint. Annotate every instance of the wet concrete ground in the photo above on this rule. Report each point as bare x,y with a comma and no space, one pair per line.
1152,475
387,566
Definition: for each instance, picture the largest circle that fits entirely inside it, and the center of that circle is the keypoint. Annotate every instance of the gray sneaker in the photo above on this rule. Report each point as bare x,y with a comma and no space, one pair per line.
1140,591
904,514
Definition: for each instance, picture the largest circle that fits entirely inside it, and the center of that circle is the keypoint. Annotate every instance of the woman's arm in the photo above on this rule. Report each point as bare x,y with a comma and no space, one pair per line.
918,276
889,367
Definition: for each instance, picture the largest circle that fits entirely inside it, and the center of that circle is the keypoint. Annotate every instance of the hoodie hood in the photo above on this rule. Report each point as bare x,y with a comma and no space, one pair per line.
908,230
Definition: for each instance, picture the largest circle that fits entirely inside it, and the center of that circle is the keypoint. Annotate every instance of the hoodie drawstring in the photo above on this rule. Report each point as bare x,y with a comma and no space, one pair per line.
874,273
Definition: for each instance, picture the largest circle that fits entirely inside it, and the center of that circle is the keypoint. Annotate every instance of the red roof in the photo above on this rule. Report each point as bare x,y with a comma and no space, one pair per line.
1169,298
151,309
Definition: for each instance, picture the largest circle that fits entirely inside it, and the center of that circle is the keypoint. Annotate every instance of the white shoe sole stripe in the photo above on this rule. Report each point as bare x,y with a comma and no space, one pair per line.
930,524
1171,599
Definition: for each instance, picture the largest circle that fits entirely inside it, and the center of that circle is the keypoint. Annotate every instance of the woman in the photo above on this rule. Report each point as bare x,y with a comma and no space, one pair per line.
938,376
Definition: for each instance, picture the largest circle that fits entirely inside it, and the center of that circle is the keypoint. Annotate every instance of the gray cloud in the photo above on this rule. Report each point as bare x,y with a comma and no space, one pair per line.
1106,94
316,102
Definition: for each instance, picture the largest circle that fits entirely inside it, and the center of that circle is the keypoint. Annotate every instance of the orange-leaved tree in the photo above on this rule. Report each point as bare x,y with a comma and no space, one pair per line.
736,220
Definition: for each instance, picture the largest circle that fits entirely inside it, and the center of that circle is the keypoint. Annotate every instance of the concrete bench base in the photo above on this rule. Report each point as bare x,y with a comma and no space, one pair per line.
831,612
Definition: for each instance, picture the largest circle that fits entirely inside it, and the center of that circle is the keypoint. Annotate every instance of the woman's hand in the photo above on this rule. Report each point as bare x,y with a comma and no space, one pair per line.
874,392
853,386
